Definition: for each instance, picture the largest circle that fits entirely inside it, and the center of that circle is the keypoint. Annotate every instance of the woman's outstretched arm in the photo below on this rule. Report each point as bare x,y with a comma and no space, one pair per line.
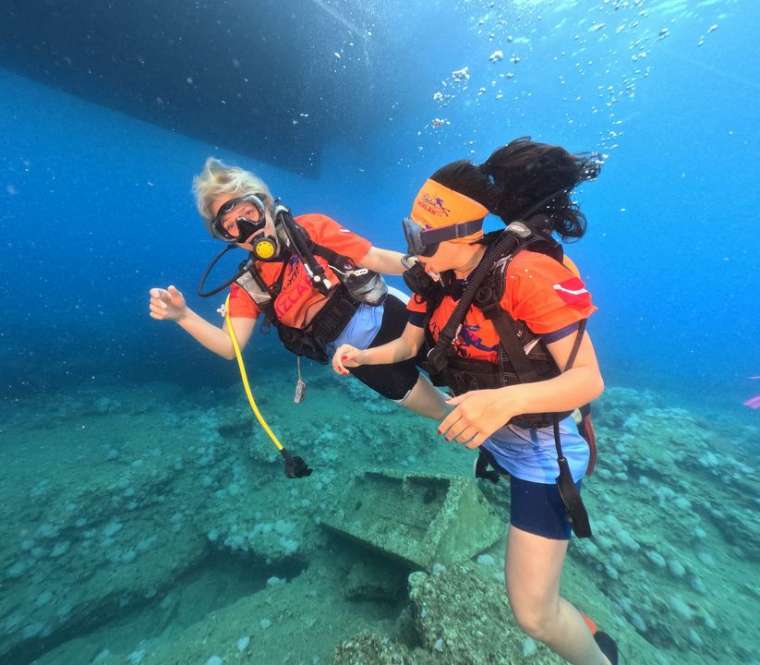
169,305
405,347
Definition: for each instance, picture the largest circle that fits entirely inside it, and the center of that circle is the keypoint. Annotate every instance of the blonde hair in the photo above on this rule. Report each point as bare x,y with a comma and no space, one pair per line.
218,178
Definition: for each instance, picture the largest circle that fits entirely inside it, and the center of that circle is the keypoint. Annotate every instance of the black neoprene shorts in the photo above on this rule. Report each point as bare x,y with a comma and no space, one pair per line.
396,380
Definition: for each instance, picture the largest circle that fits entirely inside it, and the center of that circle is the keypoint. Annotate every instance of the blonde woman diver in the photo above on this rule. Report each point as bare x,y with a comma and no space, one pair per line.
316,281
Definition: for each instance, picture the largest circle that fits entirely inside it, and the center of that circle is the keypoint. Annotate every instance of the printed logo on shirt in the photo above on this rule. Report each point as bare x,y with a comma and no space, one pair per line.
470,335
472,340
295,286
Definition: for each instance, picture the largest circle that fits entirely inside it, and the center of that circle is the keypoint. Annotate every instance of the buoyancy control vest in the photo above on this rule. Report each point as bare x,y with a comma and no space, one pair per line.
355,286
522,356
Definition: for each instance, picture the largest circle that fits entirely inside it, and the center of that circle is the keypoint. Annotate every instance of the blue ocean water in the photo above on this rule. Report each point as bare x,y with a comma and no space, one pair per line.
96,208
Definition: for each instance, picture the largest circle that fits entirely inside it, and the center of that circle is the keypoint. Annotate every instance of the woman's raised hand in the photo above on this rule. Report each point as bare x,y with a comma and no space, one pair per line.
346,356
167,304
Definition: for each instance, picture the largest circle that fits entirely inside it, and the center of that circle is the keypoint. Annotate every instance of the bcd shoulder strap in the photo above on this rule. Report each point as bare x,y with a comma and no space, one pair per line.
332,257
516,235
267,306
509,337
488,299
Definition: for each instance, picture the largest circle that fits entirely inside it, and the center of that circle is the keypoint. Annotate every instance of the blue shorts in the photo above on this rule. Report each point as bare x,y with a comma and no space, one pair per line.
373,326
537,508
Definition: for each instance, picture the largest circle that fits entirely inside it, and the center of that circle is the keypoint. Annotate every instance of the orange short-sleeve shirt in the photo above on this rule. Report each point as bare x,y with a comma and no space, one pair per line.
543,293
299,300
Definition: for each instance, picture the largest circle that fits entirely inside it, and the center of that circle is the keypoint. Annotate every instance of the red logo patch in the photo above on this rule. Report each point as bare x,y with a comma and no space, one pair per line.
573,292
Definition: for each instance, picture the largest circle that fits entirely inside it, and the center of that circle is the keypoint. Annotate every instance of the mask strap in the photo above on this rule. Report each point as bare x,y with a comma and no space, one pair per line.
433,236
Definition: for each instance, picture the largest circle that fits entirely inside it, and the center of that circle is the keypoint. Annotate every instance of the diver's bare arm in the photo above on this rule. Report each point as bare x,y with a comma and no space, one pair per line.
385,261
398,350
216,339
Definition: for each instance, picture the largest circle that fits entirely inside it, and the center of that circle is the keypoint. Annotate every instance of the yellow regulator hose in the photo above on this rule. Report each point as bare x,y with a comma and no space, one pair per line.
244,377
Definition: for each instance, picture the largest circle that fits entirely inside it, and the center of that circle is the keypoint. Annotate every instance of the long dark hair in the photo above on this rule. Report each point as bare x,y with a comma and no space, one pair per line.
523,174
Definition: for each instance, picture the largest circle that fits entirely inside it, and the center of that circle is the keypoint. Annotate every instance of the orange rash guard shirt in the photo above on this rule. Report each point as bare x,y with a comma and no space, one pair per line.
548,296
298,300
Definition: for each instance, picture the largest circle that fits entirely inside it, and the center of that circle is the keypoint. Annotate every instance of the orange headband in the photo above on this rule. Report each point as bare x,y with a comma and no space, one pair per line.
437,206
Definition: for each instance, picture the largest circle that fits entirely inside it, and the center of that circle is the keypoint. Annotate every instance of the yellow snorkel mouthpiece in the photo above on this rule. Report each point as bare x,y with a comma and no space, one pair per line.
295,467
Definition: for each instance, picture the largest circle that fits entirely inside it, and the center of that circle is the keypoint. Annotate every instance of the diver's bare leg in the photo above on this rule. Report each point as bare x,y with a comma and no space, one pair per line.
533,568
426,400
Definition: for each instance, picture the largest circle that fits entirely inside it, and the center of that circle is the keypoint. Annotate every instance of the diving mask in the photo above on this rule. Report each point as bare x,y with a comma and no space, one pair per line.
239,218
439,214
425,242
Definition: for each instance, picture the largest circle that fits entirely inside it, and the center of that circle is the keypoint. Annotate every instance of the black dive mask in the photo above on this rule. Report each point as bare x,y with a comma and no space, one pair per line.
231,226
422,242
240,219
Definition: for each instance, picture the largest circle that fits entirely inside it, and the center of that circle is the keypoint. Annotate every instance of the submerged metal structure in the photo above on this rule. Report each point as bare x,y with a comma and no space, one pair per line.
416,519
274,79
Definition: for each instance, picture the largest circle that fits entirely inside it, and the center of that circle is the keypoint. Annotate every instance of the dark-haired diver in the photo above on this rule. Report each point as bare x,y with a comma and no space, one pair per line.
314,280
504,320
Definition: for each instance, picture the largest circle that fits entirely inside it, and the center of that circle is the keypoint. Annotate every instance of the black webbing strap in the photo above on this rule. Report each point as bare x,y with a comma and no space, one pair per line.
571,497
482,464
433,236
506,245
576,344
303,245
569,493
510,342
568,365
332,257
